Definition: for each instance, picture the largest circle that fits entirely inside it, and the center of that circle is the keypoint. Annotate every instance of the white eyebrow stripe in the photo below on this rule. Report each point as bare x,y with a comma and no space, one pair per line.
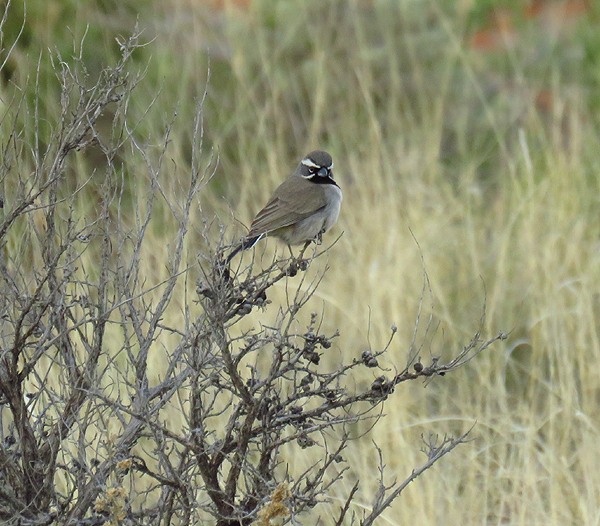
309,163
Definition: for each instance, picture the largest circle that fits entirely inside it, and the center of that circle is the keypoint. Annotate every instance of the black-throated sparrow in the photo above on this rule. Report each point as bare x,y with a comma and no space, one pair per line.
303,207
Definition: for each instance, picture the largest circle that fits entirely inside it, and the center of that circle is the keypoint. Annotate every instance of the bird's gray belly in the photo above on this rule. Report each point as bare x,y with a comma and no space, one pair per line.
321,221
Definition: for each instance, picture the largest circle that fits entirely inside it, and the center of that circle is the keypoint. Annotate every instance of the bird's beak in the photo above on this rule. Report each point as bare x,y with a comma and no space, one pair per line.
323,172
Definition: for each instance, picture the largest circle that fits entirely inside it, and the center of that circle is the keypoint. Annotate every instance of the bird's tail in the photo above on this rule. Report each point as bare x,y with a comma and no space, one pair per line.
245,244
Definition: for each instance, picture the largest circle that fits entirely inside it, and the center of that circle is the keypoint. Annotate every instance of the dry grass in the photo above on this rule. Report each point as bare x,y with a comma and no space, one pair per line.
502,200
506,215
513,205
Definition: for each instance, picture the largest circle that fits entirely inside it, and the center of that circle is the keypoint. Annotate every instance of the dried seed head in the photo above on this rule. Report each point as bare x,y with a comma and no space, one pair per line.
368,359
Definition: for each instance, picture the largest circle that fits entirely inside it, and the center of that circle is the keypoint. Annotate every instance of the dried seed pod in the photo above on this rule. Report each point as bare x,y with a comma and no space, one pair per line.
368,359
305,441
245,308
378,384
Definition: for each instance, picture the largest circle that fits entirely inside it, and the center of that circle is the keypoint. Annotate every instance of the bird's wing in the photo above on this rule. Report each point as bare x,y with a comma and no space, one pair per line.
285,209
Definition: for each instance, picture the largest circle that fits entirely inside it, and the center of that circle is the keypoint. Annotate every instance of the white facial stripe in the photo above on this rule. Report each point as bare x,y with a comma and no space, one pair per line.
309,163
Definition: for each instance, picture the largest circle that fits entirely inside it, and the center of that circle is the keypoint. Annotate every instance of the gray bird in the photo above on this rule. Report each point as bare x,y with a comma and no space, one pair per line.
302,208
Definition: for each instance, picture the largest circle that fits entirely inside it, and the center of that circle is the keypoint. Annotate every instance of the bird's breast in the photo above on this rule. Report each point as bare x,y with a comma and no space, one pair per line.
333,195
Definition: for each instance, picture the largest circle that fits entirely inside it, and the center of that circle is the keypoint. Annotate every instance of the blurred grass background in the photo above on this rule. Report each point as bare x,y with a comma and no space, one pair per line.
475,125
